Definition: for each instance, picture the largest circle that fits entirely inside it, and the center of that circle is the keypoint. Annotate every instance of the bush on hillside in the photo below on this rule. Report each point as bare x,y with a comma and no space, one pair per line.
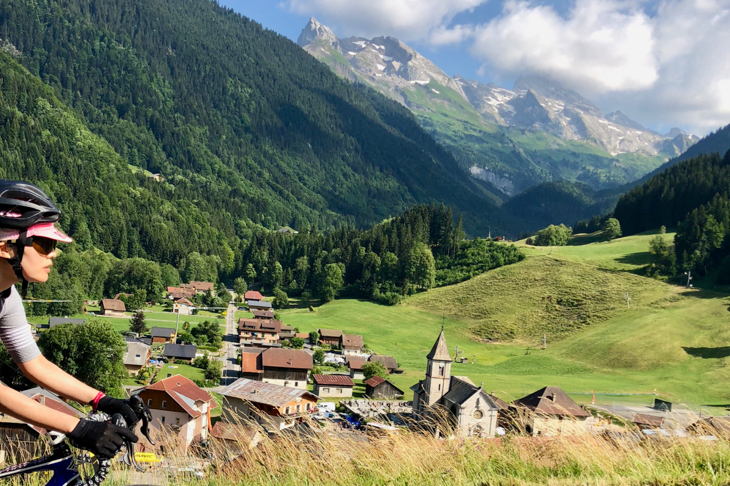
553,236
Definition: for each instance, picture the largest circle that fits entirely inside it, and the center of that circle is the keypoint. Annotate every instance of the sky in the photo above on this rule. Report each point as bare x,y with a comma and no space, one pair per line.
664,63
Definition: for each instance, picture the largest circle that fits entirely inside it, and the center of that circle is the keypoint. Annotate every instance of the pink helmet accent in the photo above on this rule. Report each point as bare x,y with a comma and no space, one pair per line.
45,230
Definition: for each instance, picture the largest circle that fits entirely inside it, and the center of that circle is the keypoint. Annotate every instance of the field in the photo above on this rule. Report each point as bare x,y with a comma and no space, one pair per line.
671,341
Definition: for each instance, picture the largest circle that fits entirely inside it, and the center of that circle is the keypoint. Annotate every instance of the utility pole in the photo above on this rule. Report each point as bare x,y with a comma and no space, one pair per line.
544,341
628,299
689,278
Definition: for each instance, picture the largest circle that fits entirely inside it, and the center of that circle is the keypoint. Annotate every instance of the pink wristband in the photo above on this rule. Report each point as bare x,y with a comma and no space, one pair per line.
95,401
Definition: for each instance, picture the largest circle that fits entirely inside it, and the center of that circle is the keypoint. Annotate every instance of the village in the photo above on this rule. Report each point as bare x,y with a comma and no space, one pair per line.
276,380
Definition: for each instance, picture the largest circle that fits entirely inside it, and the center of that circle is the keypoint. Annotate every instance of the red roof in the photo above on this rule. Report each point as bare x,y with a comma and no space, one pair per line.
113,305
287,358
375,381
251,363
355,362
252,295
179,389
202,286
334,380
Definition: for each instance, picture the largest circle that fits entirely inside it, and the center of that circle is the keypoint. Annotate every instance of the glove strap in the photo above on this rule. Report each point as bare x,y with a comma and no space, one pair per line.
95,402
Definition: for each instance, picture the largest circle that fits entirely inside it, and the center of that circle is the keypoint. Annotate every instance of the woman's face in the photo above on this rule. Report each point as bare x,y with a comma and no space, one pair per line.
36,267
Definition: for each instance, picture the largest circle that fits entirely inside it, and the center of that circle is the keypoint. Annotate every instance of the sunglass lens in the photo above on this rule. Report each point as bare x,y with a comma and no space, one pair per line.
44,245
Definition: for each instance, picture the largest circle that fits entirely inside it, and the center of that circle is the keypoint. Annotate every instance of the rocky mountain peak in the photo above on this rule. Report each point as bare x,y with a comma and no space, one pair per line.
315,31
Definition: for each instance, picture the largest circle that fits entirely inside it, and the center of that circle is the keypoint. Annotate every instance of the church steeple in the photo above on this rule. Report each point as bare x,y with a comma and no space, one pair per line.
438,372
439,351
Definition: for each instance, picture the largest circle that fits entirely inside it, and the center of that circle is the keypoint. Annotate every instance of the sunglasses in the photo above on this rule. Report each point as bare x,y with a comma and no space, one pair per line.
42,245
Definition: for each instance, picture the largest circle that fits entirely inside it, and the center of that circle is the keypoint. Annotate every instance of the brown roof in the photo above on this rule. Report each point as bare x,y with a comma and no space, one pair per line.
252,295
185,393
266,393
351,341
551,400
642,419
183,301
263,325
259,314
251,363
226,431
330,333
334,380
113,304
202,286
302,335
375,381
500,403
440,351
286,358
388,361
355,362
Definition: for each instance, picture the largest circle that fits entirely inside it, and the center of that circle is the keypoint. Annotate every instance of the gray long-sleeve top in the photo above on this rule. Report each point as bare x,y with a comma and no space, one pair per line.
14,329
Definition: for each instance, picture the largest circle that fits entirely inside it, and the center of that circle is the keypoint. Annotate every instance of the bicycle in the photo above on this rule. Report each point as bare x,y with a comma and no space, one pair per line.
65,467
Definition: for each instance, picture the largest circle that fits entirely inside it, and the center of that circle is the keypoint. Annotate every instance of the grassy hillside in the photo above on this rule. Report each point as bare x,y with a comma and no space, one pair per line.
672,342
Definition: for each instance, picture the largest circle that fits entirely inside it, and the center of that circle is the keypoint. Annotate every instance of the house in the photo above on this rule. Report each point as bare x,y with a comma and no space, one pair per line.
137,356
113,308
287,332
258,314
469,409
251,364
202,286
132,337
379,388
180,292
355,364
273,406
234,439
23,435
326,386
286,367
163,335
645,421
181,407
388,361
549,411
252,295
287,231
259,332
183,306
330,336
57,321
351,344
182,352
261,305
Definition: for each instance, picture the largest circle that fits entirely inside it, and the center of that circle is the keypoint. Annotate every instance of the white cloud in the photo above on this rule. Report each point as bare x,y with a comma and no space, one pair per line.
671,68
408,20
443,35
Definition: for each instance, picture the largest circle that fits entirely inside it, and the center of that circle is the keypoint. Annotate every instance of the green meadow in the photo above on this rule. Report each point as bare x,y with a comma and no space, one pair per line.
669,342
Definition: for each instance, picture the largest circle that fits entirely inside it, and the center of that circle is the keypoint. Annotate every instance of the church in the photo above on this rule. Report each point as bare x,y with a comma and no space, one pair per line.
468,406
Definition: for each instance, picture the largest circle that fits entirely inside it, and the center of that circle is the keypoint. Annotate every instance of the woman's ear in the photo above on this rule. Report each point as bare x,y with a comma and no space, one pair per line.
6,250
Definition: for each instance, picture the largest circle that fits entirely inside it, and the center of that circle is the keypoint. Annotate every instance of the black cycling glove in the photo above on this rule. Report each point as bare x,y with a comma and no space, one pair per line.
110,406
101,438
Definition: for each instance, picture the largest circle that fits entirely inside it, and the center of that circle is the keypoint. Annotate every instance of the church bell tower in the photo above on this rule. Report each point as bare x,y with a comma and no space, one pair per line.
438,372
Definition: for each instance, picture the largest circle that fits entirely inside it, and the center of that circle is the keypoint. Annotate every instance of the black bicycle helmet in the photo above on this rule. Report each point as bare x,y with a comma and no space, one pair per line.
23,205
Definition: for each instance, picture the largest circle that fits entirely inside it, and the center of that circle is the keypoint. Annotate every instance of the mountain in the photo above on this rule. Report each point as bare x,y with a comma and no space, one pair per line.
239,119
512,138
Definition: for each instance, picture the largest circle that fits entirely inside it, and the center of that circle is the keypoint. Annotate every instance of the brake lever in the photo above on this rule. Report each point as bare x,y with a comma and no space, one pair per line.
128,457
141,410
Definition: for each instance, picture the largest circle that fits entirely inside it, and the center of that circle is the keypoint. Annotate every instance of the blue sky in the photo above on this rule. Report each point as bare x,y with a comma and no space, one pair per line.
664,63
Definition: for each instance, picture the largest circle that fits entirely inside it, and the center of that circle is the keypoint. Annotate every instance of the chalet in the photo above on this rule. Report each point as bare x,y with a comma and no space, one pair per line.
180,406
251,364
388,361
333,385
162,335
234,439
57,321
113,308
259,332
179,293
260,305
351,344
286,367
330,336
202,286
182,352
23,435
355,364
137,356
287,332
257,314
274,406
252,295
183,306
379,388
468,407
549,411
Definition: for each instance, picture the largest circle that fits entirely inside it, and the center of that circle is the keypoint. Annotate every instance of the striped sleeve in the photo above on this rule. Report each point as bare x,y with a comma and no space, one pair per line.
15,330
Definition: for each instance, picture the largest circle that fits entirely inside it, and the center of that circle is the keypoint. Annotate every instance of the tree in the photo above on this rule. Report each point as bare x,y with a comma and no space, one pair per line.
553,236
330,282
374,368
318,356
421,268
207,332
92,352
137,300
239,287
274,275
305,298
611,229
137,323
214,370
313,337
222,293
202,362
250,273
184,336
281,300
297,342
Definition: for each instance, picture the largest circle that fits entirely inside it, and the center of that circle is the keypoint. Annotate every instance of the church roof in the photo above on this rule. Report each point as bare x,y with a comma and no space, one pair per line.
462,389
550,400
440,352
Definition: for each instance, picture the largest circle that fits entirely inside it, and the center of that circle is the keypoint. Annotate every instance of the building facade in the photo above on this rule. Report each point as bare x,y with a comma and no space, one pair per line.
333,386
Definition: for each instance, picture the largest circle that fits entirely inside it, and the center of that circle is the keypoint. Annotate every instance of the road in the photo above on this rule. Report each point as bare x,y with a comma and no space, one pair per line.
231,340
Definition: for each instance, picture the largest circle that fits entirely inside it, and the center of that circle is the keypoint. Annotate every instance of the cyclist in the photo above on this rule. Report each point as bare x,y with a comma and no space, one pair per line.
28,240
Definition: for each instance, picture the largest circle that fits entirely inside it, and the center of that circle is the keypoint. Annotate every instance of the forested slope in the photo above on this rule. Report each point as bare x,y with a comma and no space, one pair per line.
235,117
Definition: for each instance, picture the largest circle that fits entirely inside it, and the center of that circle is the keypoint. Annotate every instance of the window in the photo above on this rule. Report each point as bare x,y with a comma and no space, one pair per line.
296,383
325,390
177,421
164,403
298,408
441,370
287,410
163,418
309,406
439,387
339,390
149,402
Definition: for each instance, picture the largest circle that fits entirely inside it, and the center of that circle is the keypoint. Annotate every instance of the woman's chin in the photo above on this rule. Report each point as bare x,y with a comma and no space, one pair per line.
43,278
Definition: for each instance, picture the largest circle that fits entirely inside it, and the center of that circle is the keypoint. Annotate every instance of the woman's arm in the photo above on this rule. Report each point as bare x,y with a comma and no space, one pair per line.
21,407
53,378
